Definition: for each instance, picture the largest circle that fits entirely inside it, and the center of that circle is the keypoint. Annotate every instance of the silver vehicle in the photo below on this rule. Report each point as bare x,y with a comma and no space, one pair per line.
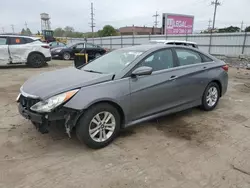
123,88
175,42
16,49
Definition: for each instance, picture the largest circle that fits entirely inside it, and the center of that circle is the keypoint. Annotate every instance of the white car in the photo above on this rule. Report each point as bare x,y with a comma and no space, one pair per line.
175,42
23,50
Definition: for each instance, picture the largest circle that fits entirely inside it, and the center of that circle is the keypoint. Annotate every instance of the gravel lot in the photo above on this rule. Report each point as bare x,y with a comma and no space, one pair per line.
191,149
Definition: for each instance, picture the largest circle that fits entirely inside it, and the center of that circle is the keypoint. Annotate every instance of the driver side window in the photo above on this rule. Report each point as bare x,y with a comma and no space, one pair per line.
159,60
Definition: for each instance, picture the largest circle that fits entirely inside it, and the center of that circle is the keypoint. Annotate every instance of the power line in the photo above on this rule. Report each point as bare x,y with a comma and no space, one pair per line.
156,15
12,27
92,24
215,3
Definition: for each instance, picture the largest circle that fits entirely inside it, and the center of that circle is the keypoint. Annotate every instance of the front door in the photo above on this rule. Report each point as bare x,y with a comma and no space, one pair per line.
4,53
77,49
157,92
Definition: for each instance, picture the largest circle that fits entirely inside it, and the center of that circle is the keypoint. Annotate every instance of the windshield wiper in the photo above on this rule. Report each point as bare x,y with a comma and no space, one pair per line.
92,71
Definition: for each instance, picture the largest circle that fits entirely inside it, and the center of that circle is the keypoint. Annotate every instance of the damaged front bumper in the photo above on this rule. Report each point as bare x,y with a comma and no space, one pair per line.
43,121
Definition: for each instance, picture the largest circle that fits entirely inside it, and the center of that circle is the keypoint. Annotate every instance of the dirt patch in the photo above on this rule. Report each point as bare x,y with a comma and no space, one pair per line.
244,88
11,88
126,133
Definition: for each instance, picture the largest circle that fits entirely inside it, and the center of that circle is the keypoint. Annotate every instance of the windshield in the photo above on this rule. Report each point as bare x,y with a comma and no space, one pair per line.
112,62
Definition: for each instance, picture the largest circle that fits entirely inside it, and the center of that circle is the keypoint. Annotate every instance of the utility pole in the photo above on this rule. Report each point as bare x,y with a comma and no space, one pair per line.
12,27
26,25
241,27
215,3
92,24
156,21
3,29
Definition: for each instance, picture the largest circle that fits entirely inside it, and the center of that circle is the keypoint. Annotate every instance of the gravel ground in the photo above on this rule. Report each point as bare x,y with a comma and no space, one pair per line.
190,149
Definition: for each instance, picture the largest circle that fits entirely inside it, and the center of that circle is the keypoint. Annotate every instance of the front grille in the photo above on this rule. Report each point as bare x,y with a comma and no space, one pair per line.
27,102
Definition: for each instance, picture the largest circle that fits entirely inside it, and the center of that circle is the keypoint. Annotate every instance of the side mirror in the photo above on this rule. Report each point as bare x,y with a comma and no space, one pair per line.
144,70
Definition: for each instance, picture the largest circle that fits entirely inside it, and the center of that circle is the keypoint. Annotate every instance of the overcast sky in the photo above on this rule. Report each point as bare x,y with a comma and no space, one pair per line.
119,13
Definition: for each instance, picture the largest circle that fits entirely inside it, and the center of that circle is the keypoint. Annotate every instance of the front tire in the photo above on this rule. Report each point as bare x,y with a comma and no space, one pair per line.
36,60
210,96
98,126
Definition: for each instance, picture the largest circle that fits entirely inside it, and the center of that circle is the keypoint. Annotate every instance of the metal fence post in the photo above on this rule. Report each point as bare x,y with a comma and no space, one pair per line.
244,43
110,43
186,35
210,42
121,41
101,40
133,40
149,37
93,41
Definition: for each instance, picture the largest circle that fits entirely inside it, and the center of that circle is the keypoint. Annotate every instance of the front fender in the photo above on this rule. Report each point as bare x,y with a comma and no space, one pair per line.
116,91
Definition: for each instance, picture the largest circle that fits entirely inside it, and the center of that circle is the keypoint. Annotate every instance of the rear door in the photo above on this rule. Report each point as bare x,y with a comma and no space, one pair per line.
4,53
19,49
156,92
192,74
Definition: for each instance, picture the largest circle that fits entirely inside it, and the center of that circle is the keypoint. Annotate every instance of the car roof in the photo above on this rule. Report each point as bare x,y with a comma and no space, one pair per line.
34,38
173,41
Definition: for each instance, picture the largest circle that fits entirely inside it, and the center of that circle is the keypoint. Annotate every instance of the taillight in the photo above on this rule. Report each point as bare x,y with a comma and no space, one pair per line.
225,67
45,46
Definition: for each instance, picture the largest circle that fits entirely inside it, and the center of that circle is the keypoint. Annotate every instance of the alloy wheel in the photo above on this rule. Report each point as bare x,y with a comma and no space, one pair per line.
102,126
212,96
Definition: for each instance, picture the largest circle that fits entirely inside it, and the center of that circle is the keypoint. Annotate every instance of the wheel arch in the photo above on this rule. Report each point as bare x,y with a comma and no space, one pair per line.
35,52
112,103
219,84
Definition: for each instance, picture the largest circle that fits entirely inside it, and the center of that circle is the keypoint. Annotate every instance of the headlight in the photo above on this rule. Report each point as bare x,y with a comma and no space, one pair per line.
57,51
53,102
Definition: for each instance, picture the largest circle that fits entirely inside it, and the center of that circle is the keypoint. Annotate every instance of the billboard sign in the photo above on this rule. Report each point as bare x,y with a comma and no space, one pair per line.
178,24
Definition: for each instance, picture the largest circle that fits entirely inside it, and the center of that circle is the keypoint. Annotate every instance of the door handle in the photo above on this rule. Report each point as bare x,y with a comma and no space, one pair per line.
204,67
173,77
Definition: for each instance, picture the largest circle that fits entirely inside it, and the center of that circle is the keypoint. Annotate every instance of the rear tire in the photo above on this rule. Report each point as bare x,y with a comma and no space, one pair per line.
97,55
89,129
36,60
66,56
210,97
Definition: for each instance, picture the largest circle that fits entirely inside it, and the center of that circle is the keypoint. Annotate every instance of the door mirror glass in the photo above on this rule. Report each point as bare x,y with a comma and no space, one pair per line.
144,70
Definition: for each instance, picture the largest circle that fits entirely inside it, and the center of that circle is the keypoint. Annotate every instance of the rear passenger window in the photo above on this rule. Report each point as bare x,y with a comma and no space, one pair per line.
3,41
188,57
159,60
17,40
28,40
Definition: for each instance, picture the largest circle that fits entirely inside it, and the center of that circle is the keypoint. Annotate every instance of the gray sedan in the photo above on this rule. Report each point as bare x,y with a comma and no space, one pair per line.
123,88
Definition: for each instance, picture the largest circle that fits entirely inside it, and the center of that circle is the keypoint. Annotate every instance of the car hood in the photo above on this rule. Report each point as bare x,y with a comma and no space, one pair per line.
52,83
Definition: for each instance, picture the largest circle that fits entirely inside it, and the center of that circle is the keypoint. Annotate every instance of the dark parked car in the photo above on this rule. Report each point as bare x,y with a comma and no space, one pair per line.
122,88
56,44
68,52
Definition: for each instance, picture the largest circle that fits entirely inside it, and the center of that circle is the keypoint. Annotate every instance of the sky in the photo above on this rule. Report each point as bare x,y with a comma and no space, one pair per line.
119,13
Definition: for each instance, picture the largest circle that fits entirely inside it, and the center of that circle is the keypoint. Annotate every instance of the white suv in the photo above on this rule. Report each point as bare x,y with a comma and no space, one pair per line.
175,42
23,50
